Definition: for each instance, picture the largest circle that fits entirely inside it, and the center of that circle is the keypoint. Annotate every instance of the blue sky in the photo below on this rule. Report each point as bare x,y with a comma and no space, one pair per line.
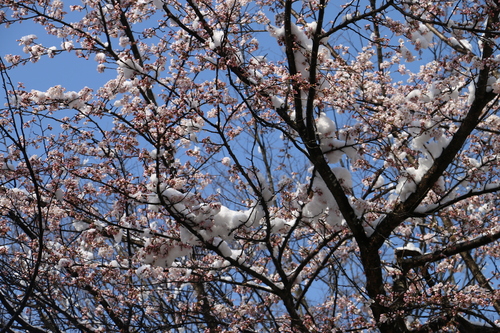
64,69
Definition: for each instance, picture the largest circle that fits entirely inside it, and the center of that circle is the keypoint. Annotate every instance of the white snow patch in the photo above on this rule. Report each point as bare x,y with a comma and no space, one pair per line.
158,4
59,194
27,40
217,39
405,53
409,247
129,68
464,43
80,225
277,102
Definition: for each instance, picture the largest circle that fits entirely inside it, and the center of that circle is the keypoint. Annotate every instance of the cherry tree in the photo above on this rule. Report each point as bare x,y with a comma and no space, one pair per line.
252,166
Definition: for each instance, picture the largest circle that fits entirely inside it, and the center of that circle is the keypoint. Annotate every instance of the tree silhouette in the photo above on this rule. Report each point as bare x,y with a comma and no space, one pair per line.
252,166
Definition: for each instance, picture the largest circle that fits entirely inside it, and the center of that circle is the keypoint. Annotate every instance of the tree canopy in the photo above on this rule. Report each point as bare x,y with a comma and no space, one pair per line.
251,166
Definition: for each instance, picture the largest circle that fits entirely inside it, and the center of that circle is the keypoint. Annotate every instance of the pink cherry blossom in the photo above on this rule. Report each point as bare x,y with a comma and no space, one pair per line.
250,166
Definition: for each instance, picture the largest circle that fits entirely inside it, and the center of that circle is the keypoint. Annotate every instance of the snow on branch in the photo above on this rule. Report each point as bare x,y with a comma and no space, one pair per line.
448,251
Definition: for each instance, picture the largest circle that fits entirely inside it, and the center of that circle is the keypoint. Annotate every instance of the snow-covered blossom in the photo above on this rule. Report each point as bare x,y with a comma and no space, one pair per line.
27,40
67,45
217,39
100,57
235,157
129,68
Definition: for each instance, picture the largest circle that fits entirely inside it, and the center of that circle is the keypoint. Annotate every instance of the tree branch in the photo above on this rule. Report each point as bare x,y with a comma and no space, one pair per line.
449,251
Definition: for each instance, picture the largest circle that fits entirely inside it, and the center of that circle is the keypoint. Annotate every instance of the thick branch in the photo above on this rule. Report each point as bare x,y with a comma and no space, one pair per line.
404,209
473,266
449,251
